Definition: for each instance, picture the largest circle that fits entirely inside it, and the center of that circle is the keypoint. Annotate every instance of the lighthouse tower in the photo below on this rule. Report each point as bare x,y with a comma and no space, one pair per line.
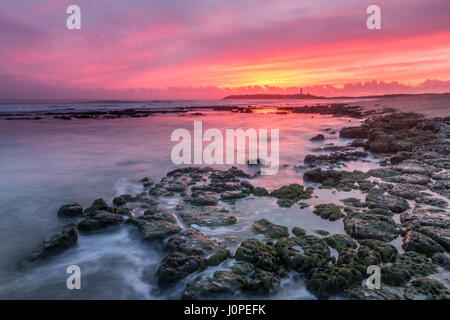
301,91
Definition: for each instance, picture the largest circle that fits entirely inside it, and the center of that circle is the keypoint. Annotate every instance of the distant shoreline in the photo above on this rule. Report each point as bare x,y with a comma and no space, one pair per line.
309,96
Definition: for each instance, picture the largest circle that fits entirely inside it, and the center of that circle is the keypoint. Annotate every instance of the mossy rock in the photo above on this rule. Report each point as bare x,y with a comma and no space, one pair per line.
303,253
257,253
329,211
286,203
293,192
260,192
297,231
354,202
340,242
270,229
426,289
386,250
332,280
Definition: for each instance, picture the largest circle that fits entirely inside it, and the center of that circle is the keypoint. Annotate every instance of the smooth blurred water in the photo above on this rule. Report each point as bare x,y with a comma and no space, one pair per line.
44,164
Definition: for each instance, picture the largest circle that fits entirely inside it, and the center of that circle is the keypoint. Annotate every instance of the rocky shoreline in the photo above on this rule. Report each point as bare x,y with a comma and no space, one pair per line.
406,197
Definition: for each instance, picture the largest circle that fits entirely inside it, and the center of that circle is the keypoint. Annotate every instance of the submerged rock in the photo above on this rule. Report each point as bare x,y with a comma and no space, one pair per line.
270,229
442,260
241,277
426,289
56,243
362,292
319,137
191,251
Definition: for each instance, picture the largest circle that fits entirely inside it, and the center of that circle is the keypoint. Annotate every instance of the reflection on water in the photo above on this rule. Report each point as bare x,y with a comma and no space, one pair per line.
46,163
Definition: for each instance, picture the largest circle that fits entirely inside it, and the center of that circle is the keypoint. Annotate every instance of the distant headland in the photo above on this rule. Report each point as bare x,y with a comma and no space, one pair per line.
264,96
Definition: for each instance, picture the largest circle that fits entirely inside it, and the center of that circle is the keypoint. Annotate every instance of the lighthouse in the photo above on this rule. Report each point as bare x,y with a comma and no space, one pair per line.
301,91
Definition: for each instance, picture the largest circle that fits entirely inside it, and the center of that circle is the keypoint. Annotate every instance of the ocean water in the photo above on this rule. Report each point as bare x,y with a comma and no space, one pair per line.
46,163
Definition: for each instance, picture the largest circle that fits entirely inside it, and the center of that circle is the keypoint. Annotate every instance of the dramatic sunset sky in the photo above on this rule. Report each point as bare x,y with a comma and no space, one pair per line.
173,49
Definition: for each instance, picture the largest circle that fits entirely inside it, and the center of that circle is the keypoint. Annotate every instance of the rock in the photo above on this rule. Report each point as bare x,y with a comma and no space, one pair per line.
206,216
331,280
293,192
177,186
97,205
269,229
420,217
383,172
380,211
247,187
340,242
260,192
427,289
100,220
56,243
358,143
70,210
222,284
386,201
415,241
371,227
361,292
341,180
359,259
397,158
233,195
123,199
335,158
157,228
177,266
354,202
408,191
257,253
321,232
329,211
406,265
203,199
386,250
194,242
360,132
303,253
285,203
442,260
409,178
297,231
435,202
319,137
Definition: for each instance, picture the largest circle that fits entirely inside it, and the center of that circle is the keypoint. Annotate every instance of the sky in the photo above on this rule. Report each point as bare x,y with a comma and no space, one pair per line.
206,49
